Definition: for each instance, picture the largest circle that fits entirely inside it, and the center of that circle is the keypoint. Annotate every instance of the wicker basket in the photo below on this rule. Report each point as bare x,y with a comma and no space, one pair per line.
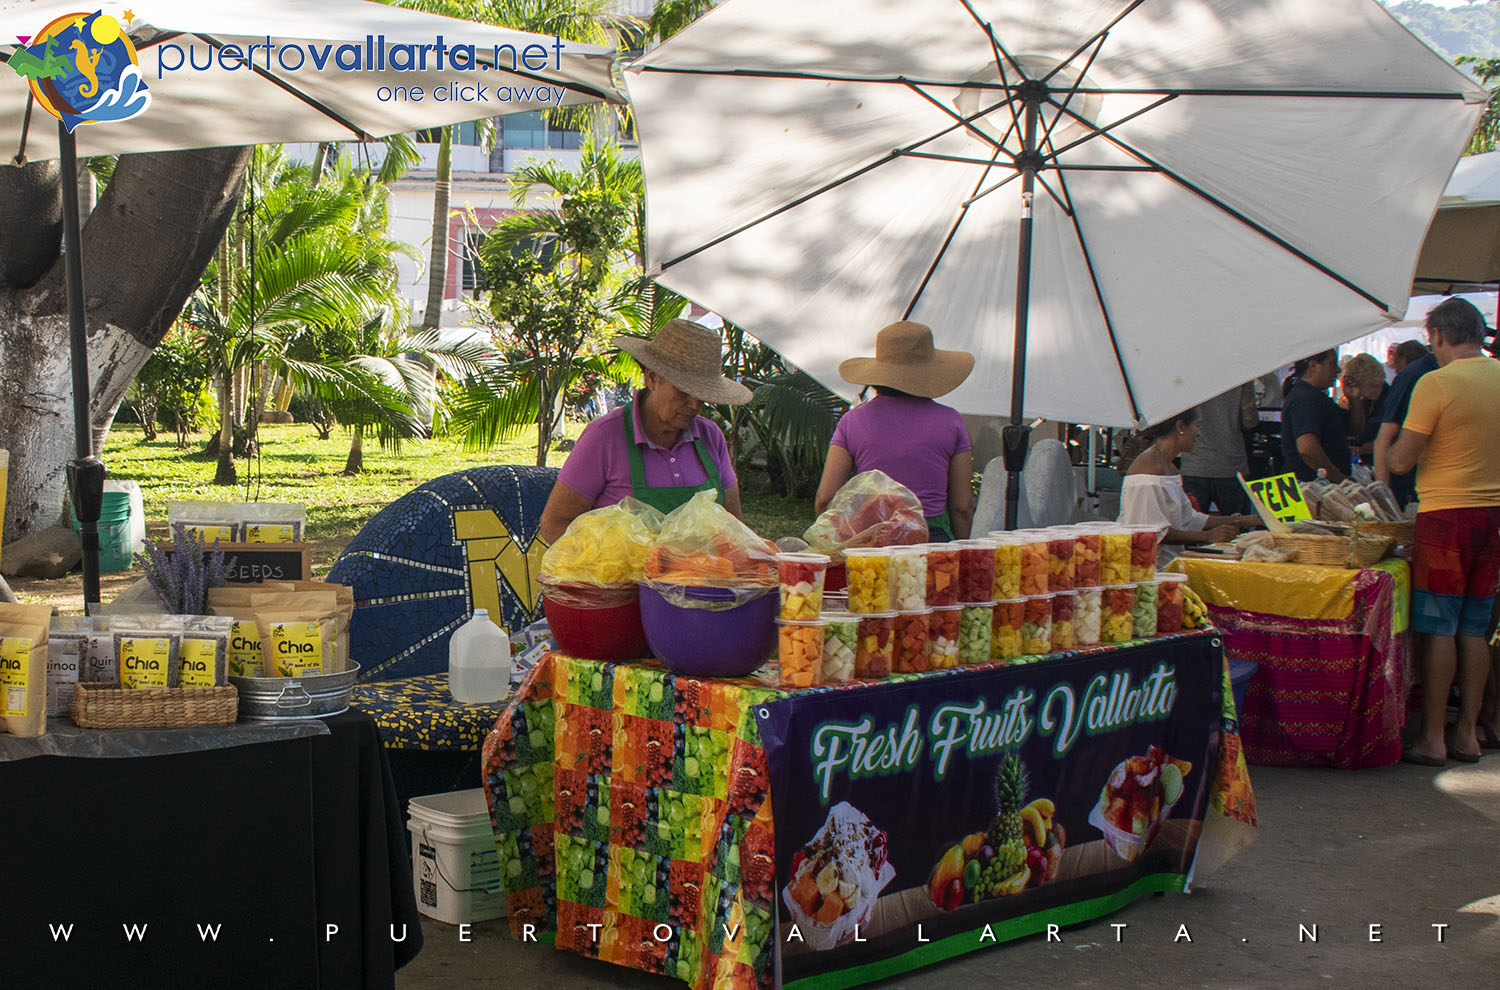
1402,533
104,706
1359,550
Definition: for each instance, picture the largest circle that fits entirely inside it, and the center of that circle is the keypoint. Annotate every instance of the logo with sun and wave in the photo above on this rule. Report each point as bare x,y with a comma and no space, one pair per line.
82,68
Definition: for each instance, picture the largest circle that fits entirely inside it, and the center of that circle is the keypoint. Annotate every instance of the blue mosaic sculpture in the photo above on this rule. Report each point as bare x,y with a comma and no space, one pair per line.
427,560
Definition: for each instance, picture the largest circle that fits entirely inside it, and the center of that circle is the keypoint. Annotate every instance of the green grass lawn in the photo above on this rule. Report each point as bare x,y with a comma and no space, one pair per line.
295,466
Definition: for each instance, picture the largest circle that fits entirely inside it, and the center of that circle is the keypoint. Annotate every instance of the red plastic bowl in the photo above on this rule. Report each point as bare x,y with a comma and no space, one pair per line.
596,623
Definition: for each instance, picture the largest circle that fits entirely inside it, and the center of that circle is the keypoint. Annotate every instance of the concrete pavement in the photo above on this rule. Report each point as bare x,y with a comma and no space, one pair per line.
1404,848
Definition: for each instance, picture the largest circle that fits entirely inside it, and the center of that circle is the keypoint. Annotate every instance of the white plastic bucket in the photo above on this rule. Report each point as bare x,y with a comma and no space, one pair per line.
455,866
137,512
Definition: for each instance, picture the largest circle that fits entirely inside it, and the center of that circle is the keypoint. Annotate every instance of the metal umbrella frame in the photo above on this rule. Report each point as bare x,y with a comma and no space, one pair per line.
295,104
1052,113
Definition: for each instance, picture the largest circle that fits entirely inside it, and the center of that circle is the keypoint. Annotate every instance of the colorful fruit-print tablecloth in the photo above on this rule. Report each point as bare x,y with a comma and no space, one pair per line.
632,812
1332,645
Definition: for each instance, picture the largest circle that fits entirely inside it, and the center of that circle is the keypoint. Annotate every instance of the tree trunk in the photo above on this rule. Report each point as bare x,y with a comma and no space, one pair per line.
437,262
144,247
319,160
356,462
225,474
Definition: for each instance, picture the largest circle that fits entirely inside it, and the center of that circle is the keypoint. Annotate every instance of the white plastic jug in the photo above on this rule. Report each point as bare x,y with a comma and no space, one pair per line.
479,661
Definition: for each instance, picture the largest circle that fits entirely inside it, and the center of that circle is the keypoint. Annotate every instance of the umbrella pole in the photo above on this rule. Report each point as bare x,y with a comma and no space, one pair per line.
1016,438
85,472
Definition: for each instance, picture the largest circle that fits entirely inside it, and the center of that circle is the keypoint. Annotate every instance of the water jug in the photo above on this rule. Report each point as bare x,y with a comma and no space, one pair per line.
479,661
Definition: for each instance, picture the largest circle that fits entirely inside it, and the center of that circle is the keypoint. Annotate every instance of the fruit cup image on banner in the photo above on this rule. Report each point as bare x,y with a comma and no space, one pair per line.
939,815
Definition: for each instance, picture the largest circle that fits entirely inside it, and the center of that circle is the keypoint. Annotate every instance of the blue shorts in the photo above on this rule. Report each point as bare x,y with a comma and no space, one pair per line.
1455,567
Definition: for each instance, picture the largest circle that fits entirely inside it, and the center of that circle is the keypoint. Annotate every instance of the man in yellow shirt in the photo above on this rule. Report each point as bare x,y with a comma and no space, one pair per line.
1449,436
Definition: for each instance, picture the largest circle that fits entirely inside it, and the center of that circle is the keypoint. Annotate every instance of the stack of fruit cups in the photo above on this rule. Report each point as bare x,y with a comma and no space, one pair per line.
869,570
1033,562
800,645
1114,556
1064,604
1117,605
801,576
1143,613
975,631
1086,613
976,570
1086,547
943,624
876,646
910,656
1143,552
1169,601
1060,559
1036,626
840,637
1005,633
942,574
908,578
1007,565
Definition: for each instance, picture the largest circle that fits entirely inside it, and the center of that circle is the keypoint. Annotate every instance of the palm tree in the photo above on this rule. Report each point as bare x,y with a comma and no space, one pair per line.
1487,133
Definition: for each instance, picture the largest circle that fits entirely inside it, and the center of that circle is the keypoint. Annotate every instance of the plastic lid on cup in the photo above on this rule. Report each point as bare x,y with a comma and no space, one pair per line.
977,543
1170,578
869,551
945,608
802,557
874,615
914,611
979,604
821,620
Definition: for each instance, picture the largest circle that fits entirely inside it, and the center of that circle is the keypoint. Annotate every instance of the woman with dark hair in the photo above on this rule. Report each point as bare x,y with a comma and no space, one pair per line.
1314,430
1152,493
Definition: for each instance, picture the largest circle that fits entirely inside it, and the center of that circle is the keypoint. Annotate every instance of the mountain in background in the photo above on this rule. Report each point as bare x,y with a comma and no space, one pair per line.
1470,30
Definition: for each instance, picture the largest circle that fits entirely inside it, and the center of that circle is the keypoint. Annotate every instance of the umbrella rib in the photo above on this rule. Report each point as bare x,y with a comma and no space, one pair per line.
1098,38
1072,90
998,50
949,158
822,77
968,127
1065,207
943,249
1351,94
1224,207
1109,323
317,105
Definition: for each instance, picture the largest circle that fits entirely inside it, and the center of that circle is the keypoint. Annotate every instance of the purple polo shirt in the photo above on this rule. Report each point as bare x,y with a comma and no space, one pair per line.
909,438
599,466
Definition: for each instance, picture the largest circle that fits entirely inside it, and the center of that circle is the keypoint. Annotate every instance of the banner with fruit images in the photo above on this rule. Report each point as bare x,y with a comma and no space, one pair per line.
932,818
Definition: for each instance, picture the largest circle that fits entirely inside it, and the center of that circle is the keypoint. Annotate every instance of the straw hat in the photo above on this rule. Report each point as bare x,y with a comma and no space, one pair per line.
906,360
690,357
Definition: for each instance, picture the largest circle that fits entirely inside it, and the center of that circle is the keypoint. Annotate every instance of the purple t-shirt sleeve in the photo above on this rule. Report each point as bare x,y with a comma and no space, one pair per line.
583,471
840,439
960,433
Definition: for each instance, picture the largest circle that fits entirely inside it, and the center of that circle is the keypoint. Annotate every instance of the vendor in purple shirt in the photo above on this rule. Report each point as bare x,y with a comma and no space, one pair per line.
656,448
901,431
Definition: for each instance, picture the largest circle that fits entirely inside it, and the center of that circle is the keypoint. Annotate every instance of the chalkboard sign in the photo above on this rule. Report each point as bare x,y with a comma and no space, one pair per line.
257,562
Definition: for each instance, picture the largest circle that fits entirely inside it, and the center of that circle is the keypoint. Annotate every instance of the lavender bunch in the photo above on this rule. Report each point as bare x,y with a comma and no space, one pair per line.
182,579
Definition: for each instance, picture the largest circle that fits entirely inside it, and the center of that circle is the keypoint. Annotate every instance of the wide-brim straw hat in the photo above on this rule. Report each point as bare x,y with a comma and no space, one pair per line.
690,356
905,359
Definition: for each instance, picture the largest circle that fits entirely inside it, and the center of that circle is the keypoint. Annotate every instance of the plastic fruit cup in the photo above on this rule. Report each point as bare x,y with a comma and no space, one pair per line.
840,638
976,570
1142,553
876,646
1115,622
1114,556
800,646
908,578
869,570
1169,598
1086,548
943,626
1063,605
1007,566
801,576
1060,561
942,574
1005,632
975,630
911,642
1086,616
1036,626
1143,614
1033,564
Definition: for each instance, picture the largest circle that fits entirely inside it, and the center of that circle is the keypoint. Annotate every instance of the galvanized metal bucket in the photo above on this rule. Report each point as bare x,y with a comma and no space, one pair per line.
275,699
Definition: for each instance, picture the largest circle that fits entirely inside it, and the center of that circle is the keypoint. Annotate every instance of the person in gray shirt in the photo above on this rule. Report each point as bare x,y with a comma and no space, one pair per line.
1208,470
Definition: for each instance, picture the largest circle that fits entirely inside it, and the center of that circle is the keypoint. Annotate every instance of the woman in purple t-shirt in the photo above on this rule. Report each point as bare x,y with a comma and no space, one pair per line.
901,431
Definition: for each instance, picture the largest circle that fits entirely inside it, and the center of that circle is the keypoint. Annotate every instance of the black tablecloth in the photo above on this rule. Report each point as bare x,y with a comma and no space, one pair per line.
118,873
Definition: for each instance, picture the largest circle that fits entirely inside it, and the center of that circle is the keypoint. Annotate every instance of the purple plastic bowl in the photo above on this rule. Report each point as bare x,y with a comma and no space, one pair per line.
707,642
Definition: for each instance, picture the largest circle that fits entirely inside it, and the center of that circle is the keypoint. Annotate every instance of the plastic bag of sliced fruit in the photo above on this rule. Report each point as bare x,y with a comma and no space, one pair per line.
871,510
837,877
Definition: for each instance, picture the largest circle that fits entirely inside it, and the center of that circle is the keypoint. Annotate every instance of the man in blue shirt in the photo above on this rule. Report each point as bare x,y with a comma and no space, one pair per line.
1393,414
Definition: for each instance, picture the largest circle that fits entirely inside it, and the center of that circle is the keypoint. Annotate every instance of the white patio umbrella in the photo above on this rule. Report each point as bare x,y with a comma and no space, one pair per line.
1463,243
320,70
1121,207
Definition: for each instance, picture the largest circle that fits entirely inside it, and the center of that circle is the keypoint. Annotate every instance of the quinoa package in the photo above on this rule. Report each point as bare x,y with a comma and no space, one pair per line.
67,640
147,650
703,545
23,668
99,666
871,510
604,547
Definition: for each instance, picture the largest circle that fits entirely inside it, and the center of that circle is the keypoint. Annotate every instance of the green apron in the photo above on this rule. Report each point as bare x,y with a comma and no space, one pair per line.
939,529
665,498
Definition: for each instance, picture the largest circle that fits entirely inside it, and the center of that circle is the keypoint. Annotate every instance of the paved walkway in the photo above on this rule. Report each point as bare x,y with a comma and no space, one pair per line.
1405,848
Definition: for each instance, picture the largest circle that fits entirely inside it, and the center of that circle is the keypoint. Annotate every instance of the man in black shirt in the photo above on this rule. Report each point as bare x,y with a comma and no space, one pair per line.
1314,430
